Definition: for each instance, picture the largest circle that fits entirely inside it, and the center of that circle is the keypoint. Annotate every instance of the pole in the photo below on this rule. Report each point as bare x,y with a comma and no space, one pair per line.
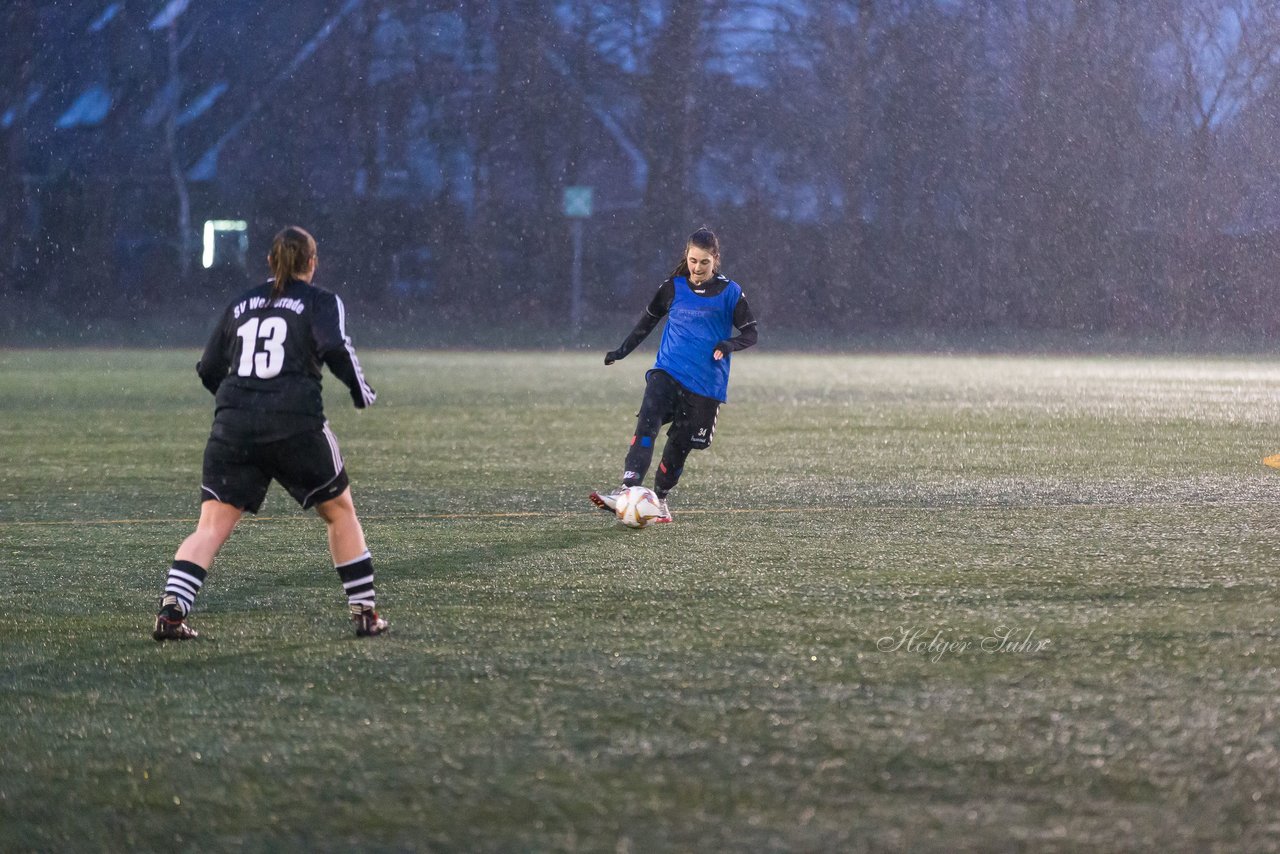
575,288
175,161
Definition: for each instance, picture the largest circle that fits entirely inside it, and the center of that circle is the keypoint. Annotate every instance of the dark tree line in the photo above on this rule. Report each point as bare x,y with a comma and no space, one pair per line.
968,167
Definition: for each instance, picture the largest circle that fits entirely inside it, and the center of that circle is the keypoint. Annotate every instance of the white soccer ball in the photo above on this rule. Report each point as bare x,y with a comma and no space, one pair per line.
637,506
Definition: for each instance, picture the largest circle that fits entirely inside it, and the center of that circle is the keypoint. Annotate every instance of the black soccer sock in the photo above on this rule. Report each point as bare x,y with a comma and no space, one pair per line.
184,582
357,580
639,456
670,469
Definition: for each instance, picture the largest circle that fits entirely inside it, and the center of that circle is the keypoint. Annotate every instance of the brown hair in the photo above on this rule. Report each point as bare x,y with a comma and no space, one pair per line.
706,240
291,255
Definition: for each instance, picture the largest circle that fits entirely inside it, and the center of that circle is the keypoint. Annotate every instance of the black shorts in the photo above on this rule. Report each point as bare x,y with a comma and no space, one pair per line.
692,416
308,465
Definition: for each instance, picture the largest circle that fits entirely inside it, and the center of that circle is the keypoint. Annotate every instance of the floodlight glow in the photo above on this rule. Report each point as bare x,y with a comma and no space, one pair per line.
211,229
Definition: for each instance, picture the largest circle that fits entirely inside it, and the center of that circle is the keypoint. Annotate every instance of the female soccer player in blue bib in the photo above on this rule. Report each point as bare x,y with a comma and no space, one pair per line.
690,379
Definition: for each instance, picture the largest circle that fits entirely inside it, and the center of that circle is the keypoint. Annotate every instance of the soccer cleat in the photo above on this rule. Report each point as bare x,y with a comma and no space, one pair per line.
173,630
170,622
367,621
665,514
607,502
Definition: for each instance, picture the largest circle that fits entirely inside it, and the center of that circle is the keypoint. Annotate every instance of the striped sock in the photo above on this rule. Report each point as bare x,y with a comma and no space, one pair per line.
185,581
357,580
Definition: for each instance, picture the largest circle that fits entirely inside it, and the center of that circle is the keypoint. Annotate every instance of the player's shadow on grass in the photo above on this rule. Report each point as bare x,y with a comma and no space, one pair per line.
481,559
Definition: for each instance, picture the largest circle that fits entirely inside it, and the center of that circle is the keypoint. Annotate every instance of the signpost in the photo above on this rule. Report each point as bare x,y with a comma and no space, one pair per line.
577,206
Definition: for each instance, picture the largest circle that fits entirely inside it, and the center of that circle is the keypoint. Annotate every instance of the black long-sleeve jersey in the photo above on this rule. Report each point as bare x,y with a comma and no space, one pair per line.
263,362
658,307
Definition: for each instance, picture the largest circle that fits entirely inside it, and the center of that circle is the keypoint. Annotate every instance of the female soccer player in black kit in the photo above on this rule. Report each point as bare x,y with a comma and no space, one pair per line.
263,365
690,379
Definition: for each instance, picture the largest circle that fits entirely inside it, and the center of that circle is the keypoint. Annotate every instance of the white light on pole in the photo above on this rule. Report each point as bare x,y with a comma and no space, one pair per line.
212,227
577,206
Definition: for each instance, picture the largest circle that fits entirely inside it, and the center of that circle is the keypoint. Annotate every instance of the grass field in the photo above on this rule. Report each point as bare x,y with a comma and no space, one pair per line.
908,603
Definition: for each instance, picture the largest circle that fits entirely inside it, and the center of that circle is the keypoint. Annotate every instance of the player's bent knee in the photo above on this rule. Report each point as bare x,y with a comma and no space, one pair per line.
643,440
218,518
337,508
681,448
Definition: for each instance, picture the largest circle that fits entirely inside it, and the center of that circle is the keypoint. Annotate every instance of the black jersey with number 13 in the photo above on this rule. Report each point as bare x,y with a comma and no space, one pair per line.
263,362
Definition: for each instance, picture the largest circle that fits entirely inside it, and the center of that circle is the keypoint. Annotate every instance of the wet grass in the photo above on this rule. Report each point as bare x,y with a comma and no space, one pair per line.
909,603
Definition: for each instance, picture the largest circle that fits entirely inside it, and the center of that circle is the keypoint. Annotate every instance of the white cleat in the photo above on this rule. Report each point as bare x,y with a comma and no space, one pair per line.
665,515
608,501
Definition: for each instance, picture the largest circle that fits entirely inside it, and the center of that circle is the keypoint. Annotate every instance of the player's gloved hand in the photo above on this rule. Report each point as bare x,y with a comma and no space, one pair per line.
722,349
612,356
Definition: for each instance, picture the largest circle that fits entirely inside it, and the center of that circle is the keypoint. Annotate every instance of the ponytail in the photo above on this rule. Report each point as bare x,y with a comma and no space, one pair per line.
291,255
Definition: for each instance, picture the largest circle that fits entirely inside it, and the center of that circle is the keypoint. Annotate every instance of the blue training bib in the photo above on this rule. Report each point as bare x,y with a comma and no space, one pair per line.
695,325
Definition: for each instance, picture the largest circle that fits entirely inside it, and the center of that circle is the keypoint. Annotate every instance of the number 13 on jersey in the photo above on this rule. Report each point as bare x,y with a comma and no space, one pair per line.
262,350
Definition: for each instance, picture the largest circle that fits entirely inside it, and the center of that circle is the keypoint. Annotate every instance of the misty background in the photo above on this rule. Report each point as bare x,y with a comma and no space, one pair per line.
971,172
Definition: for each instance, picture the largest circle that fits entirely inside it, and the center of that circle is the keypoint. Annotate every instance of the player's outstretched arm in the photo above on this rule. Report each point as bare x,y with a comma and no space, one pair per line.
653,313
643,328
